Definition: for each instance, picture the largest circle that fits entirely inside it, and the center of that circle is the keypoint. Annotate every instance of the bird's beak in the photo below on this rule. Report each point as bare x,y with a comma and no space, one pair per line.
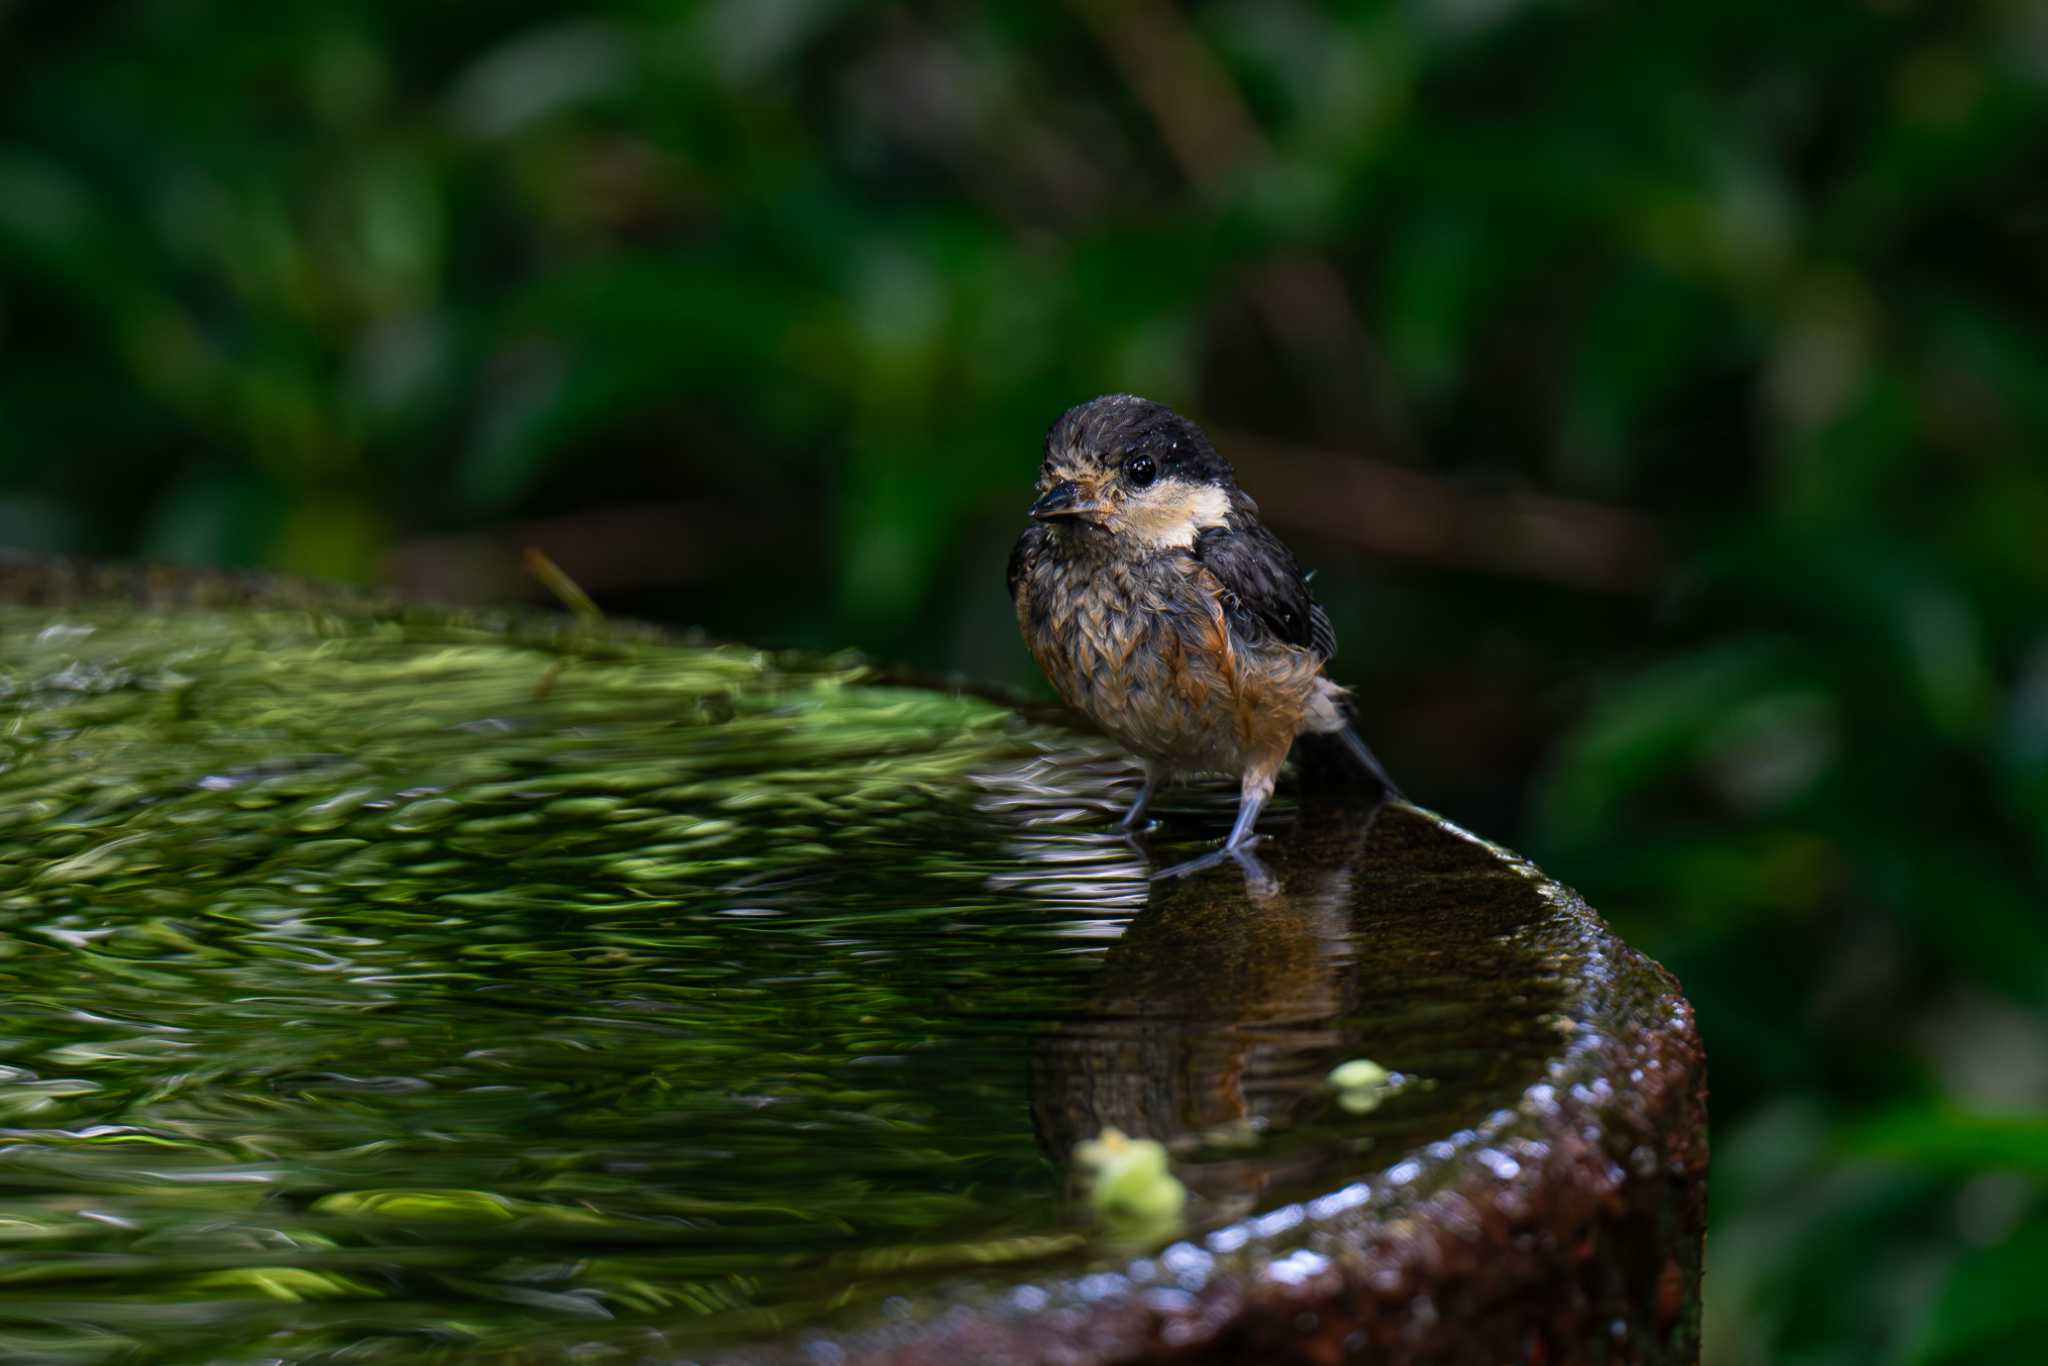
1068,501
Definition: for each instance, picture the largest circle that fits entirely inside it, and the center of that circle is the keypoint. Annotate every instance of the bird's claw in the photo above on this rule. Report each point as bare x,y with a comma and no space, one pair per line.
1257,879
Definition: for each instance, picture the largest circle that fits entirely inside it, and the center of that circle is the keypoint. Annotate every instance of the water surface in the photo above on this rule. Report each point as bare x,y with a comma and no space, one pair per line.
375,990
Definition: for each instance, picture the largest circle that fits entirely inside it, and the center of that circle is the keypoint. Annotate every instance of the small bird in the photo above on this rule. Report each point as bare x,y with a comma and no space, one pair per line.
1164,611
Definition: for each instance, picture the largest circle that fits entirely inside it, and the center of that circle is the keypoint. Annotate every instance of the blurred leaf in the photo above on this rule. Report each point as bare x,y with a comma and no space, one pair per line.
1955,1140
1654,727
1443,274
1645,337
1991,1307
538,73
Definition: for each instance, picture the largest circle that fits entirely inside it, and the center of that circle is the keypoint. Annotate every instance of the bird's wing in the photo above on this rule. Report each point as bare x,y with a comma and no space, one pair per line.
1026,546
1322,636
1264,592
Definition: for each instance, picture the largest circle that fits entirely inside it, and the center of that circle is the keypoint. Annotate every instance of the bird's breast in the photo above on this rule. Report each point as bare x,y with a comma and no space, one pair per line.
1142,651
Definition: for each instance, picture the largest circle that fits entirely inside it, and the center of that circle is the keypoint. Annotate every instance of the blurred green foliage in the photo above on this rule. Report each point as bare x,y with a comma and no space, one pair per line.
302,283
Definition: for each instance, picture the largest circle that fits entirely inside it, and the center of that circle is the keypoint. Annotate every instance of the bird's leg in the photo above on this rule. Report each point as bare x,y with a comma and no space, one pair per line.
1256,789
1247,814
1258,883
1257,880
1136,815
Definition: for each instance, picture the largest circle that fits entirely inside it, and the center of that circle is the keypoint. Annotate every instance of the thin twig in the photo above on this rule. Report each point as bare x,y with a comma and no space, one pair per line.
1202,118
1387,509
1207,125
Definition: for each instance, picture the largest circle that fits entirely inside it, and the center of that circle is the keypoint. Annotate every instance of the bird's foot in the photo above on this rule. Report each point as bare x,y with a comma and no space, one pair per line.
1134,819
1257,880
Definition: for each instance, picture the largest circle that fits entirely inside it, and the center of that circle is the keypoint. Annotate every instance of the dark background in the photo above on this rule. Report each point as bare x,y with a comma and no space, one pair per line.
1660,391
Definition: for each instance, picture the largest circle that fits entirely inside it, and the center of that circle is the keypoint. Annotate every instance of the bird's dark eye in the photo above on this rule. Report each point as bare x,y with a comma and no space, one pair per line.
1140,470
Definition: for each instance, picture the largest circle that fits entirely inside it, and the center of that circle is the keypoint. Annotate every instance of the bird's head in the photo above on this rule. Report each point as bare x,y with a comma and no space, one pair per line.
1135,471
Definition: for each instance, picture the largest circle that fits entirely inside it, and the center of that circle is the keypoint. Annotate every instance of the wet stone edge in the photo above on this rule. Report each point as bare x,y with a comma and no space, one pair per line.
1568,1229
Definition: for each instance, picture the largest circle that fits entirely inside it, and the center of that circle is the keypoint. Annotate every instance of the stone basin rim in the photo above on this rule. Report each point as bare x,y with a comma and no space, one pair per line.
1576,1154
1575,1151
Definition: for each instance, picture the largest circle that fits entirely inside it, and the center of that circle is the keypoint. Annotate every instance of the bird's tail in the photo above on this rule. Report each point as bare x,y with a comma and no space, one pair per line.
1338,761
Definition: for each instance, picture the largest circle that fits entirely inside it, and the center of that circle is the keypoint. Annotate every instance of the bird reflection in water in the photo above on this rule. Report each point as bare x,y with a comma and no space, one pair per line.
1219,1005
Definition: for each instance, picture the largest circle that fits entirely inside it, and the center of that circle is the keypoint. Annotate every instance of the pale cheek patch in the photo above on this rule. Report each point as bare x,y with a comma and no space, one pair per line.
1167,516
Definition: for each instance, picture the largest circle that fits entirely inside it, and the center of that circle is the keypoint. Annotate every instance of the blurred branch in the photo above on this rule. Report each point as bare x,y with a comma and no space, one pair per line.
1386,509
935,97
606,550
1307,303
566,590
1205,122
1372,505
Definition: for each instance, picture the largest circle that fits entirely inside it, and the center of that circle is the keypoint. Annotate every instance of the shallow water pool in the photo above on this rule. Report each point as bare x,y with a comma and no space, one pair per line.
390,989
